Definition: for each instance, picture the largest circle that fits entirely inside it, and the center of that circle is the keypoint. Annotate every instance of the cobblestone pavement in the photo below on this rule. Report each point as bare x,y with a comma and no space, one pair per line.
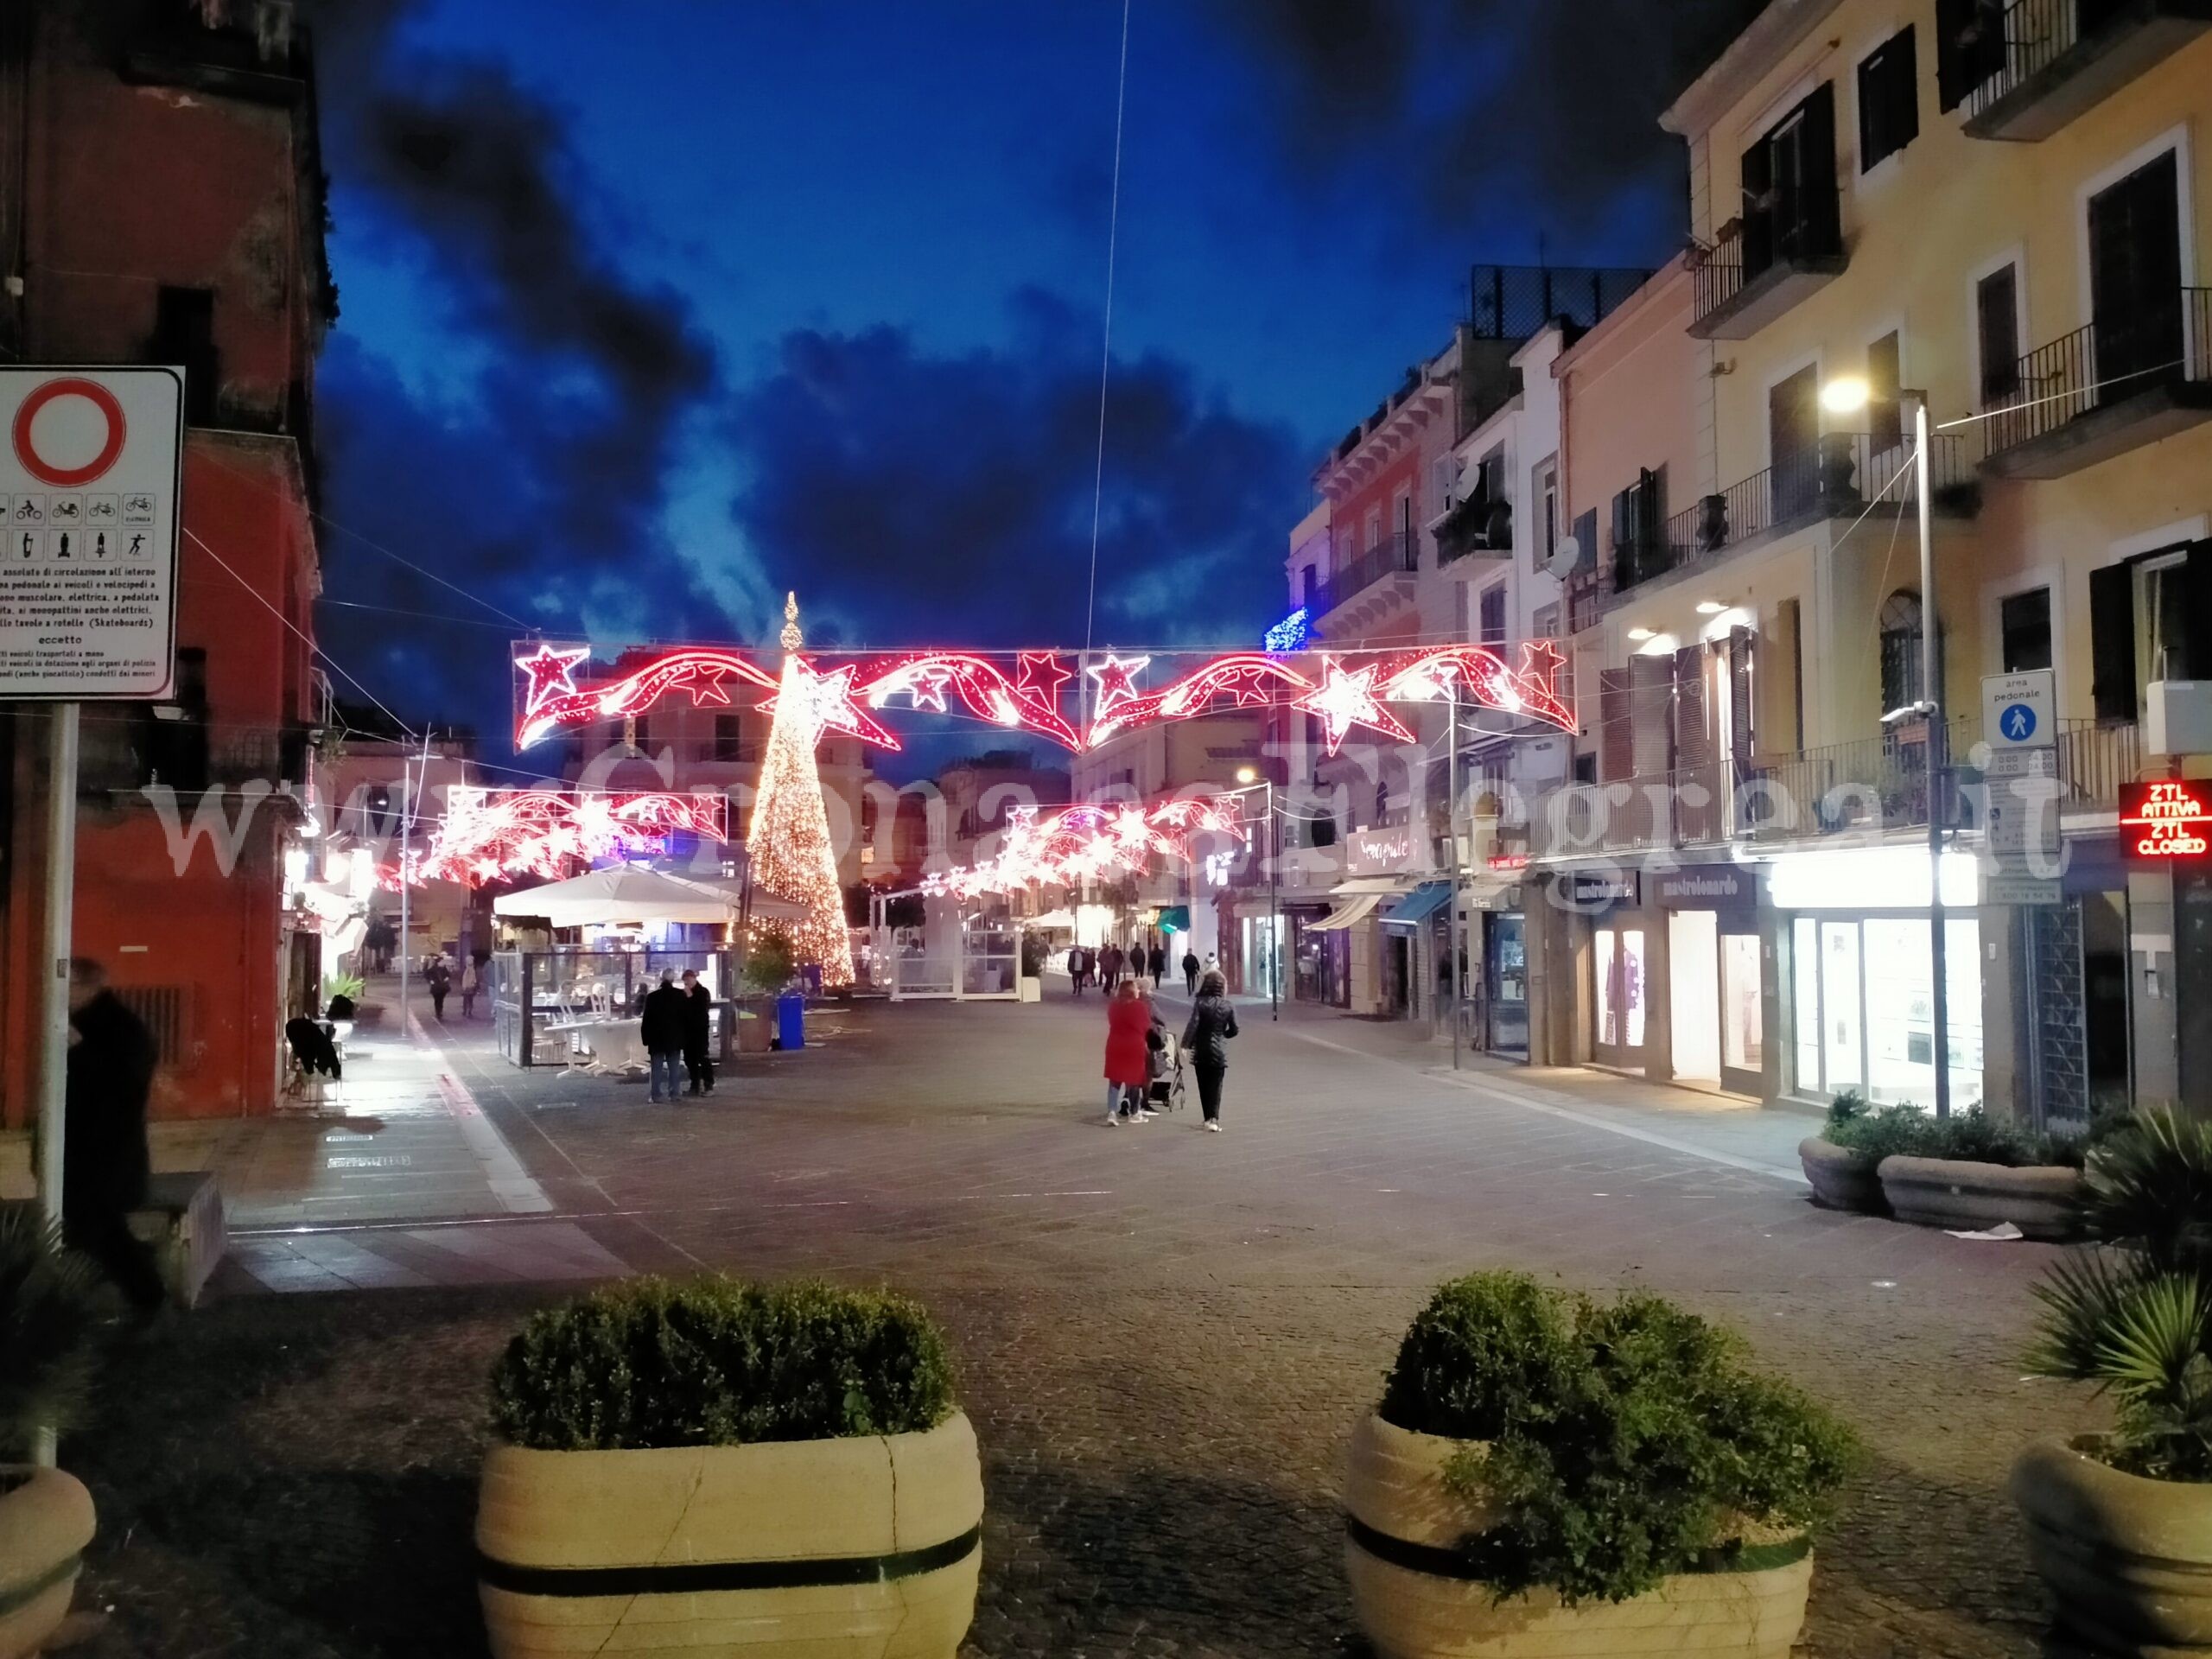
1164,1337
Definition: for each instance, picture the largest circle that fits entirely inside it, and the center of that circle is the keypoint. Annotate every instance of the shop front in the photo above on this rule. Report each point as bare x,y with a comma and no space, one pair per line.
1859,981
1496,952
1620,963
1715,994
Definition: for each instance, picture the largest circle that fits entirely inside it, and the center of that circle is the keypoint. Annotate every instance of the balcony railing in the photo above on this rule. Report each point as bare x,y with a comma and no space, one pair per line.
2060,57
1517,302
2095,758
1737,288
2099,367
1868,784
1848,472
1395,554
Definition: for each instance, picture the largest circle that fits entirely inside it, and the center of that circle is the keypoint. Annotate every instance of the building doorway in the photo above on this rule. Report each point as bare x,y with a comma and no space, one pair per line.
2135,297
1694,994
1617,964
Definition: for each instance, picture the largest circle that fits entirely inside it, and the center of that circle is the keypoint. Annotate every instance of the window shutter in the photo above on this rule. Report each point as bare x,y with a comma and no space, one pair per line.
1693,736
1822,232
1742,719
1954,20
1615,735
1758,209
2196,589
1997,323
2111,641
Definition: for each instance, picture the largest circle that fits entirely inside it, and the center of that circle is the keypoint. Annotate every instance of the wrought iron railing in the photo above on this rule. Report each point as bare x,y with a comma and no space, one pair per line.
1519,302
2096,757
1394,555
2037,34
1718,276
1734,262
1848,472
2147,345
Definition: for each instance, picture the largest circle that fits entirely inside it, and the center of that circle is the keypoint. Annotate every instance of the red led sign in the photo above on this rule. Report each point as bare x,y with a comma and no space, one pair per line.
2166,819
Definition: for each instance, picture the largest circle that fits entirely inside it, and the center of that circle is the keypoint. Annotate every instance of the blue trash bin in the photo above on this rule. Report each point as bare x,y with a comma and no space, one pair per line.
791,1022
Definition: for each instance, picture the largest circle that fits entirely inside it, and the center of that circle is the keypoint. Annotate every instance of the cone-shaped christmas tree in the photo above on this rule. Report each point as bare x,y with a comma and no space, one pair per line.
788,840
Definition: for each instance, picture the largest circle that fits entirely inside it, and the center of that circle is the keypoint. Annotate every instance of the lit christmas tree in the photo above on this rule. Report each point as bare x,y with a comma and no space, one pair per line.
790,837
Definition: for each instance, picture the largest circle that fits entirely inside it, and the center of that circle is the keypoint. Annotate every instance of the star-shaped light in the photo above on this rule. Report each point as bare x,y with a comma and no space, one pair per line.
1116,682
1039,677
828,702
1344,700
550,675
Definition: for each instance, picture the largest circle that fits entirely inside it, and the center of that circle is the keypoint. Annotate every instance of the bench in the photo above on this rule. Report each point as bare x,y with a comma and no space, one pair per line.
182,1219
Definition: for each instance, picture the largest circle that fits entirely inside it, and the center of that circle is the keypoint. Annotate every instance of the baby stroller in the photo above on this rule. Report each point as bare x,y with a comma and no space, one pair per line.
1164,1066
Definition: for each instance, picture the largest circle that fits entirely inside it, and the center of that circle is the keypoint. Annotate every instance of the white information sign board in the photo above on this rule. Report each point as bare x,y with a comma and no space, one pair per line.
91,462
2020,711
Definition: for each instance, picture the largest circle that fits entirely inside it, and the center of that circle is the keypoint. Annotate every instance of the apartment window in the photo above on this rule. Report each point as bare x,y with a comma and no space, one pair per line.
1492,614
1546,495
1889,101
2023,627
184,333
1791,206
1900,638
1547,622
1373,528
1884,409
1639,512
1306,580
1969,48
1997,335
729,739
2149,618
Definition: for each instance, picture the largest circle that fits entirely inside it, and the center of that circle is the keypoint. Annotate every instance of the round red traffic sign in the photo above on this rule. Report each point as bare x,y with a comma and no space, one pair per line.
66,478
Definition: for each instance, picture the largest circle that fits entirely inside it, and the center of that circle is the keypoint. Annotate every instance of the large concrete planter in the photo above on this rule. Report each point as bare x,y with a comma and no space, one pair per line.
2128,1561
1415,1600
1842,1178
864,1548
1956,1194
46,1521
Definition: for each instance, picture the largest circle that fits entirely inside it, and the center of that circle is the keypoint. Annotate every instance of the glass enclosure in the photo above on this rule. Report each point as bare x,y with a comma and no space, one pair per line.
1862,996
551,1006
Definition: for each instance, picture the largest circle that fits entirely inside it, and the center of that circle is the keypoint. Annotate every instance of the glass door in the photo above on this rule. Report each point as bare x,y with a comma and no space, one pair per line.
1618,961
1743,1015
1507,981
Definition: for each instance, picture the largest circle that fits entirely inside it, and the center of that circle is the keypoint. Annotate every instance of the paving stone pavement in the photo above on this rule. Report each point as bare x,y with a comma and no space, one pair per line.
1164,1336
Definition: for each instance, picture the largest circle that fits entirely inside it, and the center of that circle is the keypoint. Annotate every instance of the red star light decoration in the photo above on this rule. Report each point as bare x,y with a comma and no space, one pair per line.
551,675
1117,682
829,704
1344,700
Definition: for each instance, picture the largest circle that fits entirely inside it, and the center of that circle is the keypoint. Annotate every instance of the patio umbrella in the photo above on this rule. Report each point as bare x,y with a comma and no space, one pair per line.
608,898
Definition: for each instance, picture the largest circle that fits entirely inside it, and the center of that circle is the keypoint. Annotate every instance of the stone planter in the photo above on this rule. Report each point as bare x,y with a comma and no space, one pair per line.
1415,1601
2128,1561
46,1521
1842,1178
864,1548
1956,1194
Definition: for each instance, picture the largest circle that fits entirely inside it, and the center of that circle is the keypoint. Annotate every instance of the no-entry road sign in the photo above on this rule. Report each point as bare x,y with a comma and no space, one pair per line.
91,466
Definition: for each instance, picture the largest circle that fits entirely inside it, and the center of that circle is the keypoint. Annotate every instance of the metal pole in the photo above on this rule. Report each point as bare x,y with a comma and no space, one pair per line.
1453,942
53,1003
406,887
1274,907
1931,680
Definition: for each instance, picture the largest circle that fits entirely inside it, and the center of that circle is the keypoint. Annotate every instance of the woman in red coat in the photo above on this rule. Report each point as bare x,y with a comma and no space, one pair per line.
1127,1019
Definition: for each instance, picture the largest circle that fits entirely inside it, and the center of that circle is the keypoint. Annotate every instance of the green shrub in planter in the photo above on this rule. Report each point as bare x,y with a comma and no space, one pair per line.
1974,1136
1621,1441
717,1362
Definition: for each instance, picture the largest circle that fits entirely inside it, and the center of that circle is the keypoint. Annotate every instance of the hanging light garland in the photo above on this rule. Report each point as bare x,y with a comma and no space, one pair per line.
1091,841
488,834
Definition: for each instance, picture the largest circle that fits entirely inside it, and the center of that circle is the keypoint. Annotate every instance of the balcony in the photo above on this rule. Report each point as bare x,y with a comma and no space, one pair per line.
1741,286
1849,471
1477,533
2063,57
2103,390
1359,592
2095,758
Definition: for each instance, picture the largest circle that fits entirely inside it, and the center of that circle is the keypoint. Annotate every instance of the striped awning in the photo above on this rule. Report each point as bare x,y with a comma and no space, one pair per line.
1349,913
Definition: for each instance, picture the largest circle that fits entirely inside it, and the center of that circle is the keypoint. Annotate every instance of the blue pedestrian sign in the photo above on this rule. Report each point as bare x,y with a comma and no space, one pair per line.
2017,721
2019,711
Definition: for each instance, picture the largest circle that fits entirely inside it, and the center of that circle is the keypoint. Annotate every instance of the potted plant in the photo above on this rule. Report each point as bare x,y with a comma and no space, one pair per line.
1972,1171
1548,1474
51,1312
776,1470
1843,1170
2119,1524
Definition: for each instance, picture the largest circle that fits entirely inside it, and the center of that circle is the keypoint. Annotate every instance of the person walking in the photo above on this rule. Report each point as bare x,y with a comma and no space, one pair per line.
1109,967
660,1027
1158,964
104,1162
698,1035
439,978
1189,973
1127,1019
1205,1039
469,975
1074,968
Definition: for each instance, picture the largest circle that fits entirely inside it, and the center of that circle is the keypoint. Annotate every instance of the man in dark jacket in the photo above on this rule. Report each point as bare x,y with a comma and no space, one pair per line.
661,1029
1191,973
698,1034
1158,964
103,1158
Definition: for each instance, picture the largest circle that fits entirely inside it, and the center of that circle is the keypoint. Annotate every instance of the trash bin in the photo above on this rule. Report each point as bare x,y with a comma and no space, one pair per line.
791,1022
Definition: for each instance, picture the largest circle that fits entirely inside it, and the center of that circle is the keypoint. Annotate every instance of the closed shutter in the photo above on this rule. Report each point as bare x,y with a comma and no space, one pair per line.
1820,231
1652,680
1742,689
2111,641
1997,323
2196,591
1758,209
1693,733
1615,735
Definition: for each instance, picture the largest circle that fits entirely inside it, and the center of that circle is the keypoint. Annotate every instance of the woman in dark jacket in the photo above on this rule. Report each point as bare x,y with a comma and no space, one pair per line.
1205,1039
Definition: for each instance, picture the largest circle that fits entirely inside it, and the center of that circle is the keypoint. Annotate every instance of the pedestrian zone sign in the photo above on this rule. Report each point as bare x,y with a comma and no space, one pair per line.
2019,711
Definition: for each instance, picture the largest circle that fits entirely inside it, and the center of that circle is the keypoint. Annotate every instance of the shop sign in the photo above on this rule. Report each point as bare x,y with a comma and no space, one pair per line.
1379,852
1708,886
2169,818
1592,887
1508,862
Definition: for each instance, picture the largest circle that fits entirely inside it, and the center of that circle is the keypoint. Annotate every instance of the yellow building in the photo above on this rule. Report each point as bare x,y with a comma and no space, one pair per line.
2000,210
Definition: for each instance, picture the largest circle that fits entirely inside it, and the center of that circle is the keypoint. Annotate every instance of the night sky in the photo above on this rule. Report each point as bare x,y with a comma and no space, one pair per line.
653,311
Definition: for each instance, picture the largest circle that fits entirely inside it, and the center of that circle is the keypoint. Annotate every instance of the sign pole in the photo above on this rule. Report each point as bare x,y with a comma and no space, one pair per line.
54,1005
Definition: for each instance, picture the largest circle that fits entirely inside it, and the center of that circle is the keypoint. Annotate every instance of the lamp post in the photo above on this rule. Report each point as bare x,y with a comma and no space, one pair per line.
1246,775
1845,397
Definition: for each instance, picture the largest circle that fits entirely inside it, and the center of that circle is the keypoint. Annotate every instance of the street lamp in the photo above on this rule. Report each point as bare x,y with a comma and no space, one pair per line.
1249,776
1847,395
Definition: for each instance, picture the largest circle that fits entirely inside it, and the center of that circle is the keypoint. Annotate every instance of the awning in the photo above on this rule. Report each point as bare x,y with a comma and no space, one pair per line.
1176,919
1053,921
1417,906
1349,913
623,894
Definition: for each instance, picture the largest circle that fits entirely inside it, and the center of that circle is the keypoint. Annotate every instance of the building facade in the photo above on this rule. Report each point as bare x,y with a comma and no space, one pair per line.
162,201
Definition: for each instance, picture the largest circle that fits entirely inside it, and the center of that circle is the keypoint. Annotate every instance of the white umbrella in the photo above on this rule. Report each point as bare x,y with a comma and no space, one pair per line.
606,898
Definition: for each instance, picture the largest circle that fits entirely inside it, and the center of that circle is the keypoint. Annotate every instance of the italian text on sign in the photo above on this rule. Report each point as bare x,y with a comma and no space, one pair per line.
91,464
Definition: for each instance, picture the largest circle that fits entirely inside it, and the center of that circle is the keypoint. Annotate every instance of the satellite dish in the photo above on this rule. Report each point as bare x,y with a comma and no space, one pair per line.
1565,557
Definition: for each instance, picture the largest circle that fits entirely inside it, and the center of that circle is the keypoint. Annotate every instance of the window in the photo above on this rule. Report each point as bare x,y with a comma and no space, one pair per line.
2135,278
2023,627
1545,493
1639,514
2148,618
729,739
184,333
1884,408
1305,584
1791,207
1901,677
1969,48
1547,623
1493,614
1889,100
1373,528
1997,335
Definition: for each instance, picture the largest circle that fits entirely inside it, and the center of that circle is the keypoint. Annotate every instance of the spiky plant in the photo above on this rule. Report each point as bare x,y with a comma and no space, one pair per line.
2147,1188
53,1307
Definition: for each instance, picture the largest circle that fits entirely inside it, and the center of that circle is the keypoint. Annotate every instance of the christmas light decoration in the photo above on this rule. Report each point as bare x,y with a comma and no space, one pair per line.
789,839
1091,841
1294,632
488,834
1347,689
